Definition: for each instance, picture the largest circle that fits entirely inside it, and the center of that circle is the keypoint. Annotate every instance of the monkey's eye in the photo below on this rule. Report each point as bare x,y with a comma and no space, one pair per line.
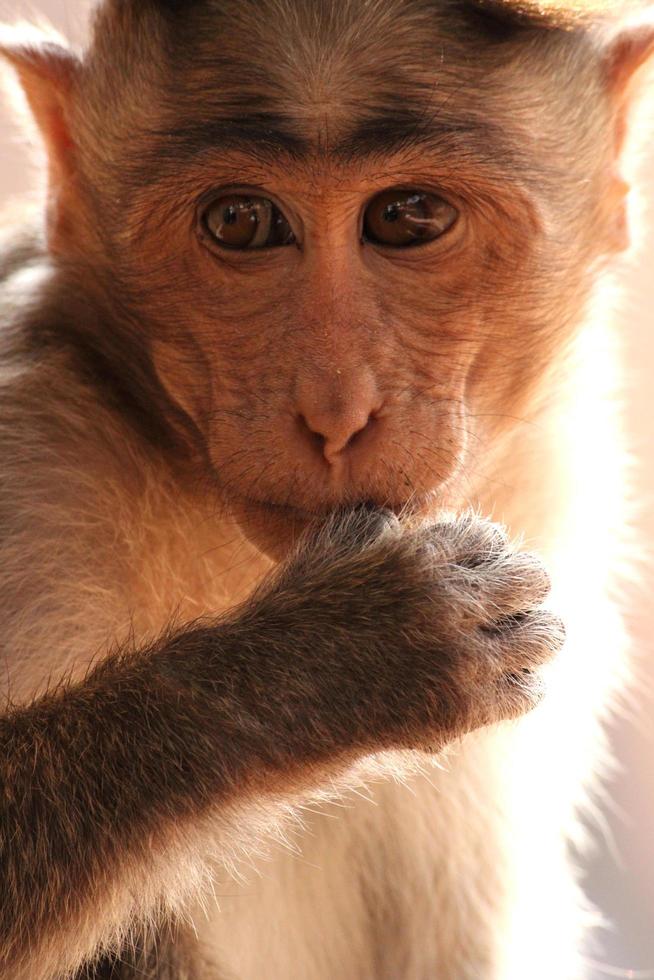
242,221
404,218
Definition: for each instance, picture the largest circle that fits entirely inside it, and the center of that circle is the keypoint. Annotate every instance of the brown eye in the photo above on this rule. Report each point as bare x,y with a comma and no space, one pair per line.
401,219
241,221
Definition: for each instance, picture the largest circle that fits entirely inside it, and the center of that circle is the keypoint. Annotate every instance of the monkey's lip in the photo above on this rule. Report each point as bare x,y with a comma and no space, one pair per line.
274,528
296,519
306,516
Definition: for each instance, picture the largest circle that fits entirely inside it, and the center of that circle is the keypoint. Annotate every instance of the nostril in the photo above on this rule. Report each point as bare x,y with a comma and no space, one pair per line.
356,435
316,438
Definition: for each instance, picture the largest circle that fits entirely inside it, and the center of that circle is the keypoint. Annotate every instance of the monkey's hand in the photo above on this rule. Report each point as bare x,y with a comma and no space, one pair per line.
407,637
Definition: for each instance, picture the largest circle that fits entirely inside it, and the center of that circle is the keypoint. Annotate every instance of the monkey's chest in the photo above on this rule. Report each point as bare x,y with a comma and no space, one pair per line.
378,890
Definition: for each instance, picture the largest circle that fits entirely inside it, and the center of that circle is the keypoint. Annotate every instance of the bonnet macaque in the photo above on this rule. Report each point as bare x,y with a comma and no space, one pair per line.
312,306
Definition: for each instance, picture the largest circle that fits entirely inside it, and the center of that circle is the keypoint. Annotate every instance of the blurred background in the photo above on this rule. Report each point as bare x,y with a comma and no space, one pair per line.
620,874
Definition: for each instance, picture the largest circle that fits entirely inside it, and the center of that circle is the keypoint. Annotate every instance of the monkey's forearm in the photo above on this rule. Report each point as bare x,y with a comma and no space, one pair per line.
93,775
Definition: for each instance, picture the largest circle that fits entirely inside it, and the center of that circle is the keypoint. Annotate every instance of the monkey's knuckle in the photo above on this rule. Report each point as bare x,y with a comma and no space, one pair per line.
360,526
471,541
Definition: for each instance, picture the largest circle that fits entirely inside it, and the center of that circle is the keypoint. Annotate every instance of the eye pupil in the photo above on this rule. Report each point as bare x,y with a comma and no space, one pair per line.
244,222
402,218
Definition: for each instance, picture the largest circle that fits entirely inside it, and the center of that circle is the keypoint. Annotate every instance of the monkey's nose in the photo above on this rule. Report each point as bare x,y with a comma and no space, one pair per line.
334,416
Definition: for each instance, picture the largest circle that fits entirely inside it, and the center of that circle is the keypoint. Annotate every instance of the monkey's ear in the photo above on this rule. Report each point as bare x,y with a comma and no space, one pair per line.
47,72
626,54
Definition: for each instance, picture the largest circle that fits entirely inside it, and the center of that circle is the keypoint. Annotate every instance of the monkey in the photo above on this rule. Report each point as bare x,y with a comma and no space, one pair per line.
313,307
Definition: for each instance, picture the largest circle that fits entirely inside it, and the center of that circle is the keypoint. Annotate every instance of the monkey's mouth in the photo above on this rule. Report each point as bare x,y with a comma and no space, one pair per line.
274,528
303,515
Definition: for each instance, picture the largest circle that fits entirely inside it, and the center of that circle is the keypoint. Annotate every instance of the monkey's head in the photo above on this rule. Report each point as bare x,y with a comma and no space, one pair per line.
346,239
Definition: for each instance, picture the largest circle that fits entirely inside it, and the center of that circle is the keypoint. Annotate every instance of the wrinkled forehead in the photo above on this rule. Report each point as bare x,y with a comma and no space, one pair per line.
319,72
357,78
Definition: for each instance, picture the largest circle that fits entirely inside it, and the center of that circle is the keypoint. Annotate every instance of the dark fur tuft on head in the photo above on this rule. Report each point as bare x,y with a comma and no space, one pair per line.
497,20
504,16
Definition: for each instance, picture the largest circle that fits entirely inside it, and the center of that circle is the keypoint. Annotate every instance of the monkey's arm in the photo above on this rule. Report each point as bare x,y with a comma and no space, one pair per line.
372,638
96,779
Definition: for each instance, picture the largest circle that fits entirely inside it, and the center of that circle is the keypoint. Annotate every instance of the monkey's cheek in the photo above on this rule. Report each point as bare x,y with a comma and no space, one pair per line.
272,530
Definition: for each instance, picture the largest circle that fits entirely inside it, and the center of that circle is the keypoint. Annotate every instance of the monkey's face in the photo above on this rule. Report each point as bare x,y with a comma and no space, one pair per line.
354,269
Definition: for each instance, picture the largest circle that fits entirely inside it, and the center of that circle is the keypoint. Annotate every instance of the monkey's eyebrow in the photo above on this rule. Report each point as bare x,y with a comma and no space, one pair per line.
394,131
258,134
266,136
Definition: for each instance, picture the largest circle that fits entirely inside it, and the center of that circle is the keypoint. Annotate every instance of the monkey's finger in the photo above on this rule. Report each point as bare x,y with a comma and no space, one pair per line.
525,642
513,585
518,693
469,541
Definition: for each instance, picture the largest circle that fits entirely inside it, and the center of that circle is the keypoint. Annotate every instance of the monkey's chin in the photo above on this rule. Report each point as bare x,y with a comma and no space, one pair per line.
272,529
